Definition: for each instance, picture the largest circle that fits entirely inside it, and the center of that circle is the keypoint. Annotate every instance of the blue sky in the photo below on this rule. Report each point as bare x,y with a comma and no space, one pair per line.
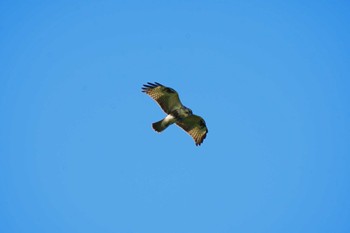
77,151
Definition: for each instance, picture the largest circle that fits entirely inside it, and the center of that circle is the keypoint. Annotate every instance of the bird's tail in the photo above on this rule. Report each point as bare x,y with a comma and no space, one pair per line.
161,125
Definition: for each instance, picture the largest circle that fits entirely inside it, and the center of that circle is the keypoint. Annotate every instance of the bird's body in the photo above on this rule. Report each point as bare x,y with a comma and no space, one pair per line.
169,101
173,117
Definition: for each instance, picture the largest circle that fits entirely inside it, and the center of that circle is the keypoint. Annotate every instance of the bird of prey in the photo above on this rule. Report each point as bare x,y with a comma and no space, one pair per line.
168,99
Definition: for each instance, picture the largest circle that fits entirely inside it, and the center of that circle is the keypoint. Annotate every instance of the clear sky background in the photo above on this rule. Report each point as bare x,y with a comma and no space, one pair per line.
77,151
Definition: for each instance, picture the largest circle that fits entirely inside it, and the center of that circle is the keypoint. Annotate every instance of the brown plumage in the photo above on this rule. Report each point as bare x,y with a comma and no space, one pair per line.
168,99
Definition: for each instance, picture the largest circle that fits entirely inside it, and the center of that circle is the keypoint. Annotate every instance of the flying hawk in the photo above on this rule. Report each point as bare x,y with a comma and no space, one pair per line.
169,101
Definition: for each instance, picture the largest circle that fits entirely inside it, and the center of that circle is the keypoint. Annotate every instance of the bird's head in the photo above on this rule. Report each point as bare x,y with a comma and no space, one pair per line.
188,111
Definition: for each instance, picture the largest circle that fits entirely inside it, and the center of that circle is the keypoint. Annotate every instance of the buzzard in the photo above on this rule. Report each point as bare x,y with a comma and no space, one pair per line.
169,101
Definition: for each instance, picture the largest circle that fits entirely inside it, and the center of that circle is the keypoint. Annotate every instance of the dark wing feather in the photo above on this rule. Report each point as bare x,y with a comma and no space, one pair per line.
195,126
166,97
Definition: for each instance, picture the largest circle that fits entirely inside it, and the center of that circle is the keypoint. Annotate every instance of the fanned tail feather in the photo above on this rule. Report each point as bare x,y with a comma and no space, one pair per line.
161,125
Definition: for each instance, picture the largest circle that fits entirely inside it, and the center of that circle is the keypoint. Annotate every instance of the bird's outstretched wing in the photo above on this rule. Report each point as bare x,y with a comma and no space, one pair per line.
195,126
166,97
